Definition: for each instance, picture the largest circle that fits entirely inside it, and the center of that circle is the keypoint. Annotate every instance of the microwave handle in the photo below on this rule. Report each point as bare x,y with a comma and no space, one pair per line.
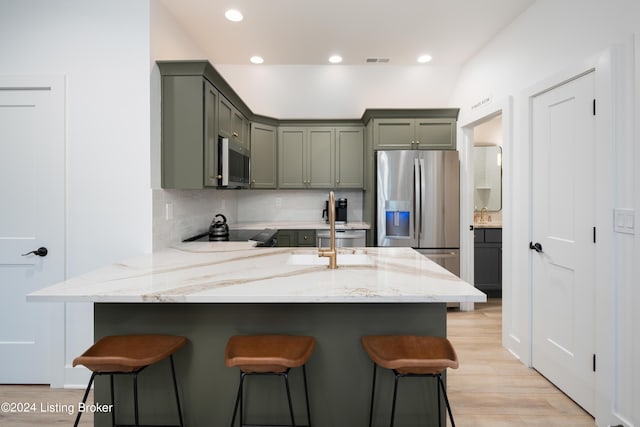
225,162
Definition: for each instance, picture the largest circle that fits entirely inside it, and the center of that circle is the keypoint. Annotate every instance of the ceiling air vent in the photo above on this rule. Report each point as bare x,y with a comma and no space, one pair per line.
377,60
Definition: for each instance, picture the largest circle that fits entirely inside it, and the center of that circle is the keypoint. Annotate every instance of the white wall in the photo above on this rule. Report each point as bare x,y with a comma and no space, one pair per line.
544,41
338,91
102,48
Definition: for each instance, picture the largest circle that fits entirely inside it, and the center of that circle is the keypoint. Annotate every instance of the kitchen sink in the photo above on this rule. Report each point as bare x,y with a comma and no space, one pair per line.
343,259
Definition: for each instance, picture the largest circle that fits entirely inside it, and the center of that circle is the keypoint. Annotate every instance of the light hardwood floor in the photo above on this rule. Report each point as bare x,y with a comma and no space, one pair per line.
491,387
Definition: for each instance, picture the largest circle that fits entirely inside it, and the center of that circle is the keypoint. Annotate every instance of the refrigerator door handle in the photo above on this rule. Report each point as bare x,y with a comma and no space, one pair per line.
421,202
417,196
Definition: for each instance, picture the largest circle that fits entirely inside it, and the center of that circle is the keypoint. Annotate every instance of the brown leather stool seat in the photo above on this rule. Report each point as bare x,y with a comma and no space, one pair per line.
411,356
129,355
269,355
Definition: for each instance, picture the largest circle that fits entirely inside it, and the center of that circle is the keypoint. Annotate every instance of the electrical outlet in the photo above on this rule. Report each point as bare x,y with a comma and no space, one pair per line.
278,202
168,211
223,203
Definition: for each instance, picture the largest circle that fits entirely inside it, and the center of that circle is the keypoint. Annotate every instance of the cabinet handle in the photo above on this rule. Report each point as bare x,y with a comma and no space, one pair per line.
253,181
235,134
337,181
417,142
413,142
306,237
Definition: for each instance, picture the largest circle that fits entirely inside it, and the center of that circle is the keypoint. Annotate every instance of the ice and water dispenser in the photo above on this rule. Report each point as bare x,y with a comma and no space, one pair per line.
397,218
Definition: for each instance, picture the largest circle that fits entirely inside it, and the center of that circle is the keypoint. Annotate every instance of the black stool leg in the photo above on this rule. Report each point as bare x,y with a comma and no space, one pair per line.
306,394
373,393
446,400
238,400
113,402
395,393
438,397
135,399
286,383
175,388
84,399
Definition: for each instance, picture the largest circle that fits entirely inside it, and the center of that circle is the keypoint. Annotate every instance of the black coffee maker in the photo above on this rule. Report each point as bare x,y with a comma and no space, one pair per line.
341,211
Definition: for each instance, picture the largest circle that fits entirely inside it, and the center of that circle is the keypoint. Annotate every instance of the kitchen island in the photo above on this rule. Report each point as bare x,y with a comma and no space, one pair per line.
210,291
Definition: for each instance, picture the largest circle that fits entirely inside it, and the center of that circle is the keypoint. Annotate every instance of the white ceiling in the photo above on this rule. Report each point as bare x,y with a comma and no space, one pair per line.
309,31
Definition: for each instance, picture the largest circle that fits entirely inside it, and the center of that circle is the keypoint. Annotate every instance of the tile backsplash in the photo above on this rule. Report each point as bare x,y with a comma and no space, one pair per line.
178,214
292,205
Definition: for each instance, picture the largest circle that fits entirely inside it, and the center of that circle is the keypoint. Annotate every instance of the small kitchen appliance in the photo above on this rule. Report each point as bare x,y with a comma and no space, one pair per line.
219,230
341,211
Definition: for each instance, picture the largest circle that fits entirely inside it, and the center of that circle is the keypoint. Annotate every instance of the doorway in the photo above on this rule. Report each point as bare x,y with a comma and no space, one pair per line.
487,206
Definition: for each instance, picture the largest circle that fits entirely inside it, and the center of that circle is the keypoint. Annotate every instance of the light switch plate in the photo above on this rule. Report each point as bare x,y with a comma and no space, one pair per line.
624,221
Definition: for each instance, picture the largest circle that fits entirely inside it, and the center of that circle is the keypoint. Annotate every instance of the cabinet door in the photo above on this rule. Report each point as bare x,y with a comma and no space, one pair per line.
320,157
349,157
182,132
306,237
238,128
263,156
210,135
435,134
286,238
393,134
225,117
291,157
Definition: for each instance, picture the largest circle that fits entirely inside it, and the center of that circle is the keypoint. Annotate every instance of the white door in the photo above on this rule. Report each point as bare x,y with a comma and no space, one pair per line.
31,216
563,219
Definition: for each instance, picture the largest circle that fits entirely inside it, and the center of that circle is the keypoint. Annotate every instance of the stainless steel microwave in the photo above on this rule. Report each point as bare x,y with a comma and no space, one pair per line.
233,164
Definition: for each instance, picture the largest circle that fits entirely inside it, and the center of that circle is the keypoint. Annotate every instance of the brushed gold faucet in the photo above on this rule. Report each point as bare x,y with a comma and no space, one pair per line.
331,253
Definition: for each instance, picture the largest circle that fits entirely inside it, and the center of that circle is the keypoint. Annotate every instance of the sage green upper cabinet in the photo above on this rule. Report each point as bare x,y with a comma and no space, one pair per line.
231,123
263,156
320,159
188,132
393,134
414,134
349,157
306,157
291,158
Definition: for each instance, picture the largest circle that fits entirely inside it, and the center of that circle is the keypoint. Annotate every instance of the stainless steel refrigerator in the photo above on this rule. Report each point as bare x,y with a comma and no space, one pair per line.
418,203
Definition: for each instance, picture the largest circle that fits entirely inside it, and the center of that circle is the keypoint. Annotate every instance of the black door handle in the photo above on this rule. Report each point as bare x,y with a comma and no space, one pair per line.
535,246
42,251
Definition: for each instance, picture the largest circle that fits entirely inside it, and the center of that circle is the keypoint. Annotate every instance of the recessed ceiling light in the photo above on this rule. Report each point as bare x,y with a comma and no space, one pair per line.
335,59
256,59
423,59
233,15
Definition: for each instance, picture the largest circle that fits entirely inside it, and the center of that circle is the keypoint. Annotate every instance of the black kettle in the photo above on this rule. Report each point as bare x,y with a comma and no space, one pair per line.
219,230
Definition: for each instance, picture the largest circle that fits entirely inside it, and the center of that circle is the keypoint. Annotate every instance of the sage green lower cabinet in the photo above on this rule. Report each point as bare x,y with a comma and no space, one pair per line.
264,158
414,134
189,132
296,238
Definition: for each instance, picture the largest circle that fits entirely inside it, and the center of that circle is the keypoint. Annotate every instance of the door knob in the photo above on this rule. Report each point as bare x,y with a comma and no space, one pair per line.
42,251
535,246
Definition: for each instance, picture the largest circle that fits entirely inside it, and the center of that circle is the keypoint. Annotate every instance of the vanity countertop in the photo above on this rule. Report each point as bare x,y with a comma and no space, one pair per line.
236,272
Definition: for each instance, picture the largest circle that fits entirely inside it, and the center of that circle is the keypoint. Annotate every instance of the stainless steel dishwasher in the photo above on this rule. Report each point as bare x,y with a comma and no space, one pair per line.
344,238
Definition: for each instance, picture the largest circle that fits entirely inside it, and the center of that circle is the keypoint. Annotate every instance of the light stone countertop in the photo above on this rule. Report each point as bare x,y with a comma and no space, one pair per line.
298,225
236,272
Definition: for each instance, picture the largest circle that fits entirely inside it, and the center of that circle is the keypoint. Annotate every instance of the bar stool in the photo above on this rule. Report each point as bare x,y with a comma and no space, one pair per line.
129,355
269,355
411,356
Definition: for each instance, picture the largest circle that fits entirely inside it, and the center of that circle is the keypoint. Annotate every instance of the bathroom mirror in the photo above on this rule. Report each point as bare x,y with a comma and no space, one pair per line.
487,166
